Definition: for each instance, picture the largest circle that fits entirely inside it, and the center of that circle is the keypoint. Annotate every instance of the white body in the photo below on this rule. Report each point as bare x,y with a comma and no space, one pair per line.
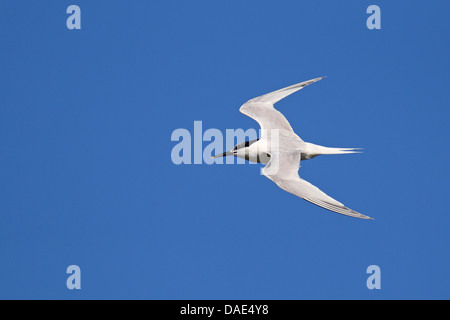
259,151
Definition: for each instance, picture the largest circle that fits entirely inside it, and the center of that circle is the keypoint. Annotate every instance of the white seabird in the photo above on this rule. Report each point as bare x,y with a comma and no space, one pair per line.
282,150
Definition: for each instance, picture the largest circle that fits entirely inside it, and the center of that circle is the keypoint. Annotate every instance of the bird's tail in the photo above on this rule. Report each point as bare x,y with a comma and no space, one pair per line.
315,150
326,150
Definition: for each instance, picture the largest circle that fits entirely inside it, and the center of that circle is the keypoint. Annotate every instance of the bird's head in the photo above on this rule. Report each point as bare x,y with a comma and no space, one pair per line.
232,152
237,150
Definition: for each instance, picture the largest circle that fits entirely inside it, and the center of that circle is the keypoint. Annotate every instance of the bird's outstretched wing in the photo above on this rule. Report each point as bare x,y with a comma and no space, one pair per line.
283,170
261,108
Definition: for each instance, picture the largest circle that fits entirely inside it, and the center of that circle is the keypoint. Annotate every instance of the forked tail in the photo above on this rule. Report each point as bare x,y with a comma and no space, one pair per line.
314,150
326,150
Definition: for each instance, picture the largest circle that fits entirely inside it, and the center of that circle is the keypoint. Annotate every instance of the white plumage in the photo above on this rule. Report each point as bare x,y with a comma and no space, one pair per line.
282,150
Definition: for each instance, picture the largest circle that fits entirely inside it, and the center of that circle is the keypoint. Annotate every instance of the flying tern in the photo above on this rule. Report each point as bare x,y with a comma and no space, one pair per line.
282,149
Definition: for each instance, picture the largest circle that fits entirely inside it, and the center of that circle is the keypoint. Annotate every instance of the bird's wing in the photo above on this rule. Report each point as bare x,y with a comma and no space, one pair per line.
283,170
261,108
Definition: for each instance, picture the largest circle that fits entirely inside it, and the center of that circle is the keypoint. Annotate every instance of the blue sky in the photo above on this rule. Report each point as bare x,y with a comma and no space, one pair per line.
87,179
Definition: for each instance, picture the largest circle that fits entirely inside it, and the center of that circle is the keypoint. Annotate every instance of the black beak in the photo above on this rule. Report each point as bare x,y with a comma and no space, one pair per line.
228,153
